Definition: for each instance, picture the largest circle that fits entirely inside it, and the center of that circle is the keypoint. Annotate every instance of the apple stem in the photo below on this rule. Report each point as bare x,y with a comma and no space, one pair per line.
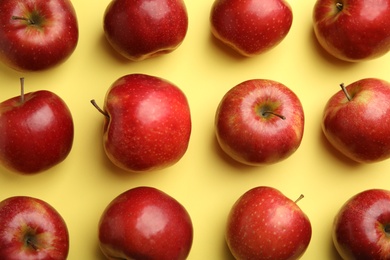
22,18
339,6
299,198
345,92
272,113
99,109
30,243
22,90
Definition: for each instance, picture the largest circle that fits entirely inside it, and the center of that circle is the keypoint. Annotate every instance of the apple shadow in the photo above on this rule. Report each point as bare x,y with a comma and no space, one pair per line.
226,254
110,51
226,49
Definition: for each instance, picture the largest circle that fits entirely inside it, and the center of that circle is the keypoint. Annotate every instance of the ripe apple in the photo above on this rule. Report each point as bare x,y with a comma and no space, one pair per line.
147,123
355,120
353,30
145,223
259,122
265,224
36,131
37,34
251,27
31,229
141,29
361,228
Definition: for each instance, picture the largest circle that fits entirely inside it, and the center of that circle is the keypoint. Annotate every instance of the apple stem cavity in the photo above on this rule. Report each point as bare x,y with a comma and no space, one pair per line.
265,113
22,90
99,109
299,198
345,92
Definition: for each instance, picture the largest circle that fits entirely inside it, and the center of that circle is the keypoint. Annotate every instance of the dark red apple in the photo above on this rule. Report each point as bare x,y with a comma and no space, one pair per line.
259,122
147,123
251,27
31,229
37,34
361,228
355,120
36,132
353,30
140,29
145,223
265,224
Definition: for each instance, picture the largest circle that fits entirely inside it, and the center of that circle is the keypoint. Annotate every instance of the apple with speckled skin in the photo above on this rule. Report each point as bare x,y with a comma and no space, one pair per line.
145,223
361,228
147,123
251,27
259,122
355,120
265,224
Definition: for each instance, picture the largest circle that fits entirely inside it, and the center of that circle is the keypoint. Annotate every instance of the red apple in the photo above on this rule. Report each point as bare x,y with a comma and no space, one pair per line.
36,132
37,34
265,224
355,120
353,30
251,27
145,223
361,228
31,229
147,123
141,29
259,122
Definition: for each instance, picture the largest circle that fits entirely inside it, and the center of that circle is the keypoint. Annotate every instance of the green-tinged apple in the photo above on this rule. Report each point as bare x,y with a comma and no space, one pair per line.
361,228
36,131
251,27
31,229
259,122
356,120
37,34
141,29
147,123
353,30
145,223
265,224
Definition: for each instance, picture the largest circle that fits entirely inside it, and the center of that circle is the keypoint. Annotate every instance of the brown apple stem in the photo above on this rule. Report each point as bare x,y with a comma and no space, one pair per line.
339,6
31,243
299,198
275,114
22,18
22,90
99,109
345,92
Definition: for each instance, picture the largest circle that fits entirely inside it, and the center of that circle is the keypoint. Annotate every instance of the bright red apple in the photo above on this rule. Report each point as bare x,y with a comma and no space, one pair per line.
259,122
353,30
141,29
265,224
147,123
37,34
251,27
36,131
355,120
145,223
31,229
361,228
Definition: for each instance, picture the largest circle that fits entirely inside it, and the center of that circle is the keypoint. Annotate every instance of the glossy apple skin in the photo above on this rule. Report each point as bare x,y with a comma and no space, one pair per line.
36,134
145,223
43,45
141,29
358,32
265,224
31,229
149,124
251,27
252,138
361,227
360,128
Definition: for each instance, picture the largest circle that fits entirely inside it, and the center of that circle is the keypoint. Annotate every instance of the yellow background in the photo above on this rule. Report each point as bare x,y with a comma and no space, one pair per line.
205,181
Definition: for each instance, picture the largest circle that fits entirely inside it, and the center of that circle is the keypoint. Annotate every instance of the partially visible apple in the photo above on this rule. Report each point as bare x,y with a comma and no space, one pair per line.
259,122
251,27
30,228
361,228
356,120
36,131
353,30
141,29
147,123
37,34
145,223
265,224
